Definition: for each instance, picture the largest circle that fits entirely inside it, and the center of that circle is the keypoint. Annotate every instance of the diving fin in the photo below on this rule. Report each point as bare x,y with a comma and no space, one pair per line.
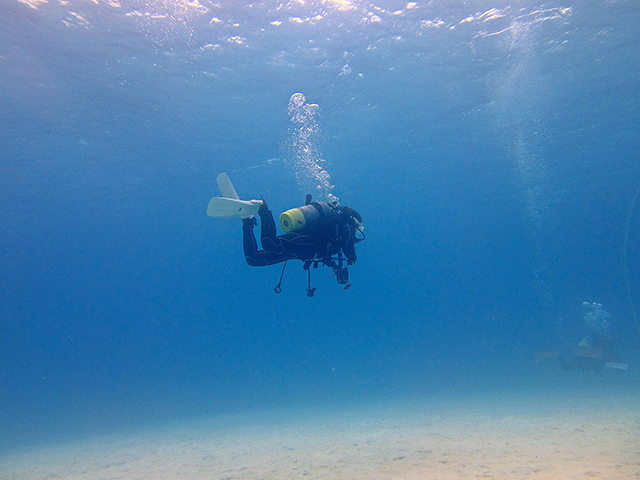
223,207
226,187
230,205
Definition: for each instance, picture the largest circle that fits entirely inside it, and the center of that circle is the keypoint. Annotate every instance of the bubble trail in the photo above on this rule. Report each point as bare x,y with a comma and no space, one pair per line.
302,148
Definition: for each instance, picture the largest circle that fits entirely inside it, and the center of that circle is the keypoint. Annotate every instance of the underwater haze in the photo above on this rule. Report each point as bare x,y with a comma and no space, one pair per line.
491,147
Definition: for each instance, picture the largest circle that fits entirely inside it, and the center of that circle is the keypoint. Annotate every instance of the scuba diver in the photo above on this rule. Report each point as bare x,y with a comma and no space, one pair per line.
596,350
316,233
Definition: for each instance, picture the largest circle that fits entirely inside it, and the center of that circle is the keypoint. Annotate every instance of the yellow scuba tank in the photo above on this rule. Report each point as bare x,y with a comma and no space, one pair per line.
298,218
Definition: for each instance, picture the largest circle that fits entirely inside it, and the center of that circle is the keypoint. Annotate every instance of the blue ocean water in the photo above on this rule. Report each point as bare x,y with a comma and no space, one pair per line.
493,150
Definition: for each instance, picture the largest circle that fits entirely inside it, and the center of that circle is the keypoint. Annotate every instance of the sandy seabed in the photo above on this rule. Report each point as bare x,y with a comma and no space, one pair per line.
529,437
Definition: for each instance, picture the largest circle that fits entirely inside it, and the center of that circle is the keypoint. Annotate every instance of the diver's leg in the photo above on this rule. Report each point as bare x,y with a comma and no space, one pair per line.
250,245
271,243
267,223
253,256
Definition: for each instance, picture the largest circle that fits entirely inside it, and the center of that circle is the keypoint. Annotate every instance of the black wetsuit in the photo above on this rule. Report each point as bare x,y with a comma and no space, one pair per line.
315,242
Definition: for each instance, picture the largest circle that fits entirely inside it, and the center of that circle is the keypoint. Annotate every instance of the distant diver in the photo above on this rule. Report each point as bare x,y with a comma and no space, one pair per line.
596,350
316,233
